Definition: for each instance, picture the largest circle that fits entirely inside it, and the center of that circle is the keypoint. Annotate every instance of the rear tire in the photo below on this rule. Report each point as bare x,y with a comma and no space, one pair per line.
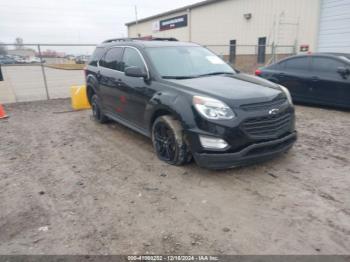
168,141
97,112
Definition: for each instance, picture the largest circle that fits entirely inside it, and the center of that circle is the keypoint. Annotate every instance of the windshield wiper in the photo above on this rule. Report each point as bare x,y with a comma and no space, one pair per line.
216,73
178,77
196,76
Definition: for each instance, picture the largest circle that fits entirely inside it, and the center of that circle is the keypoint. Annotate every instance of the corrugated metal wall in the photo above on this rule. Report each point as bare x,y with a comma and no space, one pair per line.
334,34
284,22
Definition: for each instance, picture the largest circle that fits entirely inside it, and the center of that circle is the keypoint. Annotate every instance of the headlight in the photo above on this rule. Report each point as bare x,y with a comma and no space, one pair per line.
286,91
212,108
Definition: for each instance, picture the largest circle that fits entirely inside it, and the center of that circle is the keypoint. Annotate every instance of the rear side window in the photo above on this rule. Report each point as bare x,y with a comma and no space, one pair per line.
326,65
297,64
276,66
96,56
112,58
132,58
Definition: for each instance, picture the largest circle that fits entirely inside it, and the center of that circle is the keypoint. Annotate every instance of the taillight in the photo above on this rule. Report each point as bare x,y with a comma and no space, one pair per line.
258,72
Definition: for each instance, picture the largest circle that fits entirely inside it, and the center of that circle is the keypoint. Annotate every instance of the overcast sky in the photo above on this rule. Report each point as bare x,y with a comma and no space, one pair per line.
74,21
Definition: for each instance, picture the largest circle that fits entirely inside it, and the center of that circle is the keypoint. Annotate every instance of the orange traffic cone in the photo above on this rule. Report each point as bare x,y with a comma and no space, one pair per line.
2,112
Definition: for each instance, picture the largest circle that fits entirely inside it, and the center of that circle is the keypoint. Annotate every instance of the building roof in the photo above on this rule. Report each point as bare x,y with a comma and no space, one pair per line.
181,9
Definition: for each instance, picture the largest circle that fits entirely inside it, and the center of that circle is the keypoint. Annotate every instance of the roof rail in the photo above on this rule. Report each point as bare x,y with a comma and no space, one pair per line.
139,39
118,39
164,39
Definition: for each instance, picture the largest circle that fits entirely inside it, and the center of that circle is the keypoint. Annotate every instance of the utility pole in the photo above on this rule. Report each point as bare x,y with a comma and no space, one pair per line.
43,72
136,19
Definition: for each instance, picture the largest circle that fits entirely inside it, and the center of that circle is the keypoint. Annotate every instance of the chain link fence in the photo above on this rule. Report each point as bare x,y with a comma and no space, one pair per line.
41,71
46,71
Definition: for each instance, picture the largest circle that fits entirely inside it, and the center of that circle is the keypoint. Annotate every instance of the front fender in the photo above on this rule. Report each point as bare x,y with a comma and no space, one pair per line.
177,104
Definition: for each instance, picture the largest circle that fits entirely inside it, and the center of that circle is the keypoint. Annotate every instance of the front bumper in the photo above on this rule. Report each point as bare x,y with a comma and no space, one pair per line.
250,155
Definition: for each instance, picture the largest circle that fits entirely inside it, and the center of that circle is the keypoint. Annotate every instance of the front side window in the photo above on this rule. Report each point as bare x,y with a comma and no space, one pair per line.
186,61
326,65
131,58
112,58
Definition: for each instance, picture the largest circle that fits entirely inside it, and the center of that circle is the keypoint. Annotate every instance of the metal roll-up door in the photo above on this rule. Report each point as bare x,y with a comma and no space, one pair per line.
334,32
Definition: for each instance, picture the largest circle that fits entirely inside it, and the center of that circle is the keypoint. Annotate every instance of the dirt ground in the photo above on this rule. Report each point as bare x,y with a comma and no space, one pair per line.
69,185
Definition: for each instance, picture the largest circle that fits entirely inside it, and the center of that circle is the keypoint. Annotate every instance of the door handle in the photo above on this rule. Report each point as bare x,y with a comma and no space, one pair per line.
141,88
315,78
119,82
116,82
282,75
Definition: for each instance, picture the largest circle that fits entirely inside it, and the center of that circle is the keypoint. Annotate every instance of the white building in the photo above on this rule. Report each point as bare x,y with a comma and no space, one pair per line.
306,25
24,52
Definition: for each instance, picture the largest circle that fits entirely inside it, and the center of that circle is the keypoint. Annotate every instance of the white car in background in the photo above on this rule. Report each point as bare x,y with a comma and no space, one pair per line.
32,60
18,59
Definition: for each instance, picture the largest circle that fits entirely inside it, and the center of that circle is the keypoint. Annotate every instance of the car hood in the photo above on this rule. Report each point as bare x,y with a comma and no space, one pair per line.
239,88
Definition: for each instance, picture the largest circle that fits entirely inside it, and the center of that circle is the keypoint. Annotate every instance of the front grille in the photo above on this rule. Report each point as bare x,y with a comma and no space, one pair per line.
271,148
264,105
268,126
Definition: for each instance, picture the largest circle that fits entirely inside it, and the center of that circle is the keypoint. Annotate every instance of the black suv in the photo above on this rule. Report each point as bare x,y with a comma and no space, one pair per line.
190,102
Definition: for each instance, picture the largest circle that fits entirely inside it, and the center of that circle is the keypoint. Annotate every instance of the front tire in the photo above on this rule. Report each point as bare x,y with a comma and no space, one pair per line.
168,141
97,112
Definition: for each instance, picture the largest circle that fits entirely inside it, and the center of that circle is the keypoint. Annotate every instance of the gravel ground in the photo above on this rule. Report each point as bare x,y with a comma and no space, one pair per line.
71,186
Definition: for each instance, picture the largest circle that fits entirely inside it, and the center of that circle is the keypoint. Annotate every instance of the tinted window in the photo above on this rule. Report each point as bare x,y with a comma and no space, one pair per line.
112,59
132,58
324,64
299,63
277,66
99,51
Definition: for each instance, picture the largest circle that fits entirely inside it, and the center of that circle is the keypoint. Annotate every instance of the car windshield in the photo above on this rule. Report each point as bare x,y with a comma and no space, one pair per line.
181,62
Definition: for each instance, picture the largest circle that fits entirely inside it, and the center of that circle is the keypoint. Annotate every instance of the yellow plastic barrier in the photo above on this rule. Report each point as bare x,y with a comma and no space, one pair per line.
79,97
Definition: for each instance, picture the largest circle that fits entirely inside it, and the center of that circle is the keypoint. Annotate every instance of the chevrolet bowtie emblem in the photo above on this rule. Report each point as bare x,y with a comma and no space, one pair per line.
274,111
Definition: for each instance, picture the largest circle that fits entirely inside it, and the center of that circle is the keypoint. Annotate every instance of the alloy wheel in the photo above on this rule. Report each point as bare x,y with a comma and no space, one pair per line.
165,142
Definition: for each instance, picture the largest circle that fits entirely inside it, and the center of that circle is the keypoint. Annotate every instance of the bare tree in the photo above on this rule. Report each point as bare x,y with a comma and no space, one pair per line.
3,49
19,43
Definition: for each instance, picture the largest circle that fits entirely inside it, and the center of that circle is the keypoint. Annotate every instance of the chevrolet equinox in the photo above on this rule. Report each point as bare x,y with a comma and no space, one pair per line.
189,102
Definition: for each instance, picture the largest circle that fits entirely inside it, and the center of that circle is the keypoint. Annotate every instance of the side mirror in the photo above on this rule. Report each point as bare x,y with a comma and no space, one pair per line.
343,71
135,71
